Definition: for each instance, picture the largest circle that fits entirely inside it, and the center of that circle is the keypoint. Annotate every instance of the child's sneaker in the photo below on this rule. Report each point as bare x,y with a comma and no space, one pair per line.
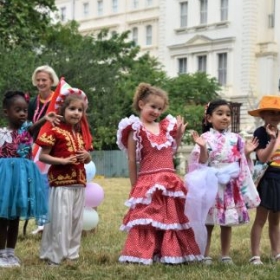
4,262
13,260
53,264
207,261
227,260
256,260
38,230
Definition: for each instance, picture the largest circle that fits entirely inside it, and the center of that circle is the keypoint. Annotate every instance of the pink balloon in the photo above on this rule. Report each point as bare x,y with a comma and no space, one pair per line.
94,195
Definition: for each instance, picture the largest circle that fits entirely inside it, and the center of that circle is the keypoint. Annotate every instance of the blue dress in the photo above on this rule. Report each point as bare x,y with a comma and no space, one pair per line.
22,187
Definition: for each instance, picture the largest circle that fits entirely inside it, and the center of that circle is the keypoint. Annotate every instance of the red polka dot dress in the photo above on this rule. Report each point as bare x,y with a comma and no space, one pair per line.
158,229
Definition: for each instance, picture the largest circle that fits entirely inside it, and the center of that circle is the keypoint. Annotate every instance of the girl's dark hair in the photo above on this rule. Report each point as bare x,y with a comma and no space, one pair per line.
9,97
209,109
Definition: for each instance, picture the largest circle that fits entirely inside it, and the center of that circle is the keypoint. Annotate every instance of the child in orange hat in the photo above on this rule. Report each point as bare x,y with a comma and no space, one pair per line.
268,151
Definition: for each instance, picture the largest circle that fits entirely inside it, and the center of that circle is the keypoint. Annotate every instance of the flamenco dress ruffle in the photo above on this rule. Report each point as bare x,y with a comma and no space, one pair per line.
23,190
158,229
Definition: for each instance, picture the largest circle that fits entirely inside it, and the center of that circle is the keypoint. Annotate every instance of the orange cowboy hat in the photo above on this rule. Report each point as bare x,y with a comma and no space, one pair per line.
267,103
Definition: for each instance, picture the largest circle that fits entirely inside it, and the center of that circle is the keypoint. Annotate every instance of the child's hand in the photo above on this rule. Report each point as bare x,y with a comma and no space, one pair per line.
181,127
83,156
69,160
271,131
251,145
198,140
53,118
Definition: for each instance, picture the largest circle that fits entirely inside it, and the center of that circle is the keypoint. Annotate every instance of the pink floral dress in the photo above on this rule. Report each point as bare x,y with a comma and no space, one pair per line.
156,224
235,197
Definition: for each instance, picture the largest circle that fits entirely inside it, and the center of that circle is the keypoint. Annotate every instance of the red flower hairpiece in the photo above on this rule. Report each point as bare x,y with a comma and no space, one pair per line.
27,97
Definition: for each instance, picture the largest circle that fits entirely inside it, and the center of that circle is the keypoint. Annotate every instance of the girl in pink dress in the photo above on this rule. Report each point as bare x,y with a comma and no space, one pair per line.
158,229
220,167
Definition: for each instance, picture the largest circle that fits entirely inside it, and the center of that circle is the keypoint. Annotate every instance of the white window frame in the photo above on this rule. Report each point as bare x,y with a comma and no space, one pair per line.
149,3
202,63
134,33
86,8
114,6
184,14
271,21
135,4
222,68
203,11
63,13
100,7
224,10
149,35
182,65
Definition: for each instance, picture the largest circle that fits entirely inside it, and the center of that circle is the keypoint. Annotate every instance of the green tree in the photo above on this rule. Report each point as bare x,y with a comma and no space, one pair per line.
144,69
24,22
189,93
16,69
107,67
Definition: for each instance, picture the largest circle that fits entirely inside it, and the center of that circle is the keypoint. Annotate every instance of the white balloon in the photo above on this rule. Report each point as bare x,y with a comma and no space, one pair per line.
90,219
90,171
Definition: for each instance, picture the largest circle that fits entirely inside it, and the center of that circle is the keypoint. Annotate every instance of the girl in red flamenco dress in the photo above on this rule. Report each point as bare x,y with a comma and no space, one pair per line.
158,229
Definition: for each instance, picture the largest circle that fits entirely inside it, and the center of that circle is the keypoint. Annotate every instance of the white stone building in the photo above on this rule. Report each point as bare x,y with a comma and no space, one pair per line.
141,17
236,41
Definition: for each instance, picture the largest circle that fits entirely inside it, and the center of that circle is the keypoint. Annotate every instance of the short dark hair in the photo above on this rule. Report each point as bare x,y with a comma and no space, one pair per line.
9,97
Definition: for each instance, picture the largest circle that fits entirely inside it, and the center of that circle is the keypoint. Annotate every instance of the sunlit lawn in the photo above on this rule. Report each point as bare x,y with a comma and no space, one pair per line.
100,251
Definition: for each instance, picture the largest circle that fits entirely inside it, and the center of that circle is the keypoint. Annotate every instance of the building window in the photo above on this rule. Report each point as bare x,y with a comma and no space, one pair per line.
271,21
182,65
86,9
115,6
135,4
184,14
63,13
149,3
224,10
135,35
202,63
100,7
203,11
222,68
149,35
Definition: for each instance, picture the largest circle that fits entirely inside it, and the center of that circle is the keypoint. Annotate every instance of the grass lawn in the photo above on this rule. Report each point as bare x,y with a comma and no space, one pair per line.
100,251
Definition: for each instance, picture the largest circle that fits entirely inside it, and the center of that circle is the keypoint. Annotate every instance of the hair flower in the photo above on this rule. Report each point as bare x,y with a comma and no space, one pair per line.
27,97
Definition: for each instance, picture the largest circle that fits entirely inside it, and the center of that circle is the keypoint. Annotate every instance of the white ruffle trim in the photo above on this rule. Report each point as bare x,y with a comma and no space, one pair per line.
172,260
136,125
155,224
172,123
148,199
188,258
135,260
170,140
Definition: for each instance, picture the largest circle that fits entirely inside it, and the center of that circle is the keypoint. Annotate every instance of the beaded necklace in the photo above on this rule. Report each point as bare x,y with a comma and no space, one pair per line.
38,113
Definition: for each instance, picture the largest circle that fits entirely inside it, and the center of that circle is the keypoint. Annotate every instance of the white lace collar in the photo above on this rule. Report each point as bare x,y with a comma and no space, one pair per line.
5,136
